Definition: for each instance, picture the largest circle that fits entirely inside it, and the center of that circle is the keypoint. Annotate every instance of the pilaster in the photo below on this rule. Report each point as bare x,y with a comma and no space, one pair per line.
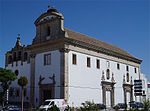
32,79
64,73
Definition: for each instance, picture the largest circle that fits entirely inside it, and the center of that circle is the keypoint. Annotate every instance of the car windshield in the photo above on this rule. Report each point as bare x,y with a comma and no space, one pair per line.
13,106
121,104
46,103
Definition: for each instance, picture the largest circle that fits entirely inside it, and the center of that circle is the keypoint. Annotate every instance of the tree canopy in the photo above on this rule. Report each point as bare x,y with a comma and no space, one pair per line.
6,77
22,81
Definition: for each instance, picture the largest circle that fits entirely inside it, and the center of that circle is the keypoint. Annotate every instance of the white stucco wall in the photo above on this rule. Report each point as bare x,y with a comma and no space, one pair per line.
47,71
24,70
85,83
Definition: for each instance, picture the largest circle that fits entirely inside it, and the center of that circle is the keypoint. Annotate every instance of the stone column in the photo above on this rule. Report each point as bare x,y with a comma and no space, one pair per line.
64,73
125,101
104,94
112,96
131,93
32,79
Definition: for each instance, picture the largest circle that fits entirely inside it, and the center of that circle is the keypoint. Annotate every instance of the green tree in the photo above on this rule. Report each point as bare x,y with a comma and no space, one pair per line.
6,78
22,81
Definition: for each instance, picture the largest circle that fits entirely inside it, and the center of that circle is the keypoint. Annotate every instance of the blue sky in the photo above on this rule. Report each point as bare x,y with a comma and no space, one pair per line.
123,23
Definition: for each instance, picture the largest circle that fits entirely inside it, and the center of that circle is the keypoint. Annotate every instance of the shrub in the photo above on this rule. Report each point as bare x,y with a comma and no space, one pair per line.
54,108
146,105
89,106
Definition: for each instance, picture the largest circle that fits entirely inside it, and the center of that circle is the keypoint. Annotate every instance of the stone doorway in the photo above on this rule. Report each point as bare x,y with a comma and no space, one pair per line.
108,98
128,93
128,97
108,93
46,91
47,94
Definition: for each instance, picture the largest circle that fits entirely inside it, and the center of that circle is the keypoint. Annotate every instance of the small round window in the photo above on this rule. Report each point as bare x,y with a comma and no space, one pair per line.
16,72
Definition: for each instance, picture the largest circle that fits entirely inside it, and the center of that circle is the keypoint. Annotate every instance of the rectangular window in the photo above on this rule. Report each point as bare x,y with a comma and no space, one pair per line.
98,64
74,59
118,66
135,70
127,68
108,64
47,59
88,62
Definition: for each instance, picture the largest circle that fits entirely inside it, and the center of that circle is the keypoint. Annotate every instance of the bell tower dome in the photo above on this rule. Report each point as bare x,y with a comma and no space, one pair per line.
49,26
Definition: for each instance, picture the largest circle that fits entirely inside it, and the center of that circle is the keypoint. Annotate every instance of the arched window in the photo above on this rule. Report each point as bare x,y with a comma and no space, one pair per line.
108,74
14,56
16,72
9,59
19,55
25,56
48,31
127,68
127,77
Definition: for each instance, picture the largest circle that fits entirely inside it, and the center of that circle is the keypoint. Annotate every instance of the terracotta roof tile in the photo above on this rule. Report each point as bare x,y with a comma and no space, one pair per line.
95,42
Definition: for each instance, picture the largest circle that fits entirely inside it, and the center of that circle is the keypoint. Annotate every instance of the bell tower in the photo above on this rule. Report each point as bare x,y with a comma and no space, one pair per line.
49,26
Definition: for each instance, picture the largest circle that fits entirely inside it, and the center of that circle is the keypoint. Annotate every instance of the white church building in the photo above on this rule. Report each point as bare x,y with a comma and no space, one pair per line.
61,63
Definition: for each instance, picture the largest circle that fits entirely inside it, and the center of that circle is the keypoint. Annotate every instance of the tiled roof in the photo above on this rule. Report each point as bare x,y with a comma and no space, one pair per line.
86,39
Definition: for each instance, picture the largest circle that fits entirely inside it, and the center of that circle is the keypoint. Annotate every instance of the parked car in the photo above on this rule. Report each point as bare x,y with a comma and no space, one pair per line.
101,106
139,105
133,104
50,102
120,106
12,108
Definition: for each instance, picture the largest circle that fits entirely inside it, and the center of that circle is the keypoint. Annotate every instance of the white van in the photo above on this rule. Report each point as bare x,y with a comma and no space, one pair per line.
58,102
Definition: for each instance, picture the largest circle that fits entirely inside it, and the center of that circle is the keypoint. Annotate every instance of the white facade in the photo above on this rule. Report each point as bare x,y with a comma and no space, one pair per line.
87,81
47,71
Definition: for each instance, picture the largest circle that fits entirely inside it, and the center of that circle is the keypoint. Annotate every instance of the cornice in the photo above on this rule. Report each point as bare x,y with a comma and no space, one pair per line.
59,15
100,50
45,44
77,43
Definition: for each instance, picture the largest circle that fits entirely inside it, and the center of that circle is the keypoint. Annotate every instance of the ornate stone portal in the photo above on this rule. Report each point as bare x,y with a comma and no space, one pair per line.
46,91
108,86
127,88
